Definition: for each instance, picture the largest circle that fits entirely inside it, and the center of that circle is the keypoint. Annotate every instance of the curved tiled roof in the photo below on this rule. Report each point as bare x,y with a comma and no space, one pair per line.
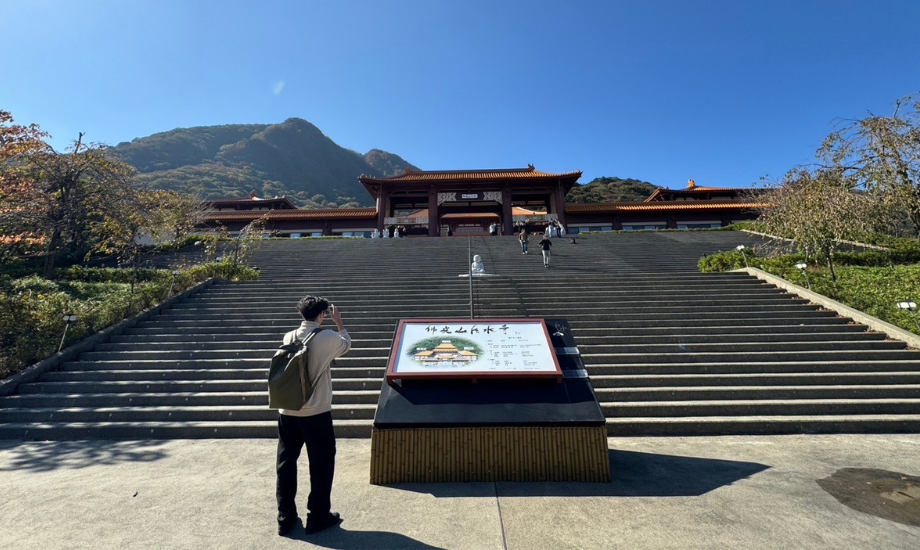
469,175
660,205
343,213
699,188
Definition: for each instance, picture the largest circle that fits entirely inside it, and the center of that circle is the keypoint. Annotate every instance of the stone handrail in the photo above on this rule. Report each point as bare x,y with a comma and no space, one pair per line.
897,333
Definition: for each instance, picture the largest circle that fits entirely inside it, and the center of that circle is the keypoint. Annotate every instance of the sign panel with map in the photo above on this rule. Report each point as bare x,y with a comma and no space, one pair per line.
472,348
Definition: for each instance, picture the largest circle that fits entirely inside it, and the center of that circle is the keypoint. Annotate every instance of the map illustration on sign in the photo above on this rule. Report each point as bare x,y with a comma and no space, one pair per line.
473,348
445,352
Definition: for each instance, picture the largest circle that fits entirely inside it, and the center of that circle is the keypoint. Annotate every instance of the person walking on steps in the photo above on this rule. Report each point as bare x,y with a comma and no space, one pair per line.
522,236
546,244
311,424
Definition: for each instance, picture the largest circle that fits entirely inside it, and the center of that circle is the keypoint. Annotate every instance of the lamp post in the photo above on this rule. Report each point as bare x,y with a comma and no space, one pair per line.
740,248
802,267
172,283
69,319
911,308
469,262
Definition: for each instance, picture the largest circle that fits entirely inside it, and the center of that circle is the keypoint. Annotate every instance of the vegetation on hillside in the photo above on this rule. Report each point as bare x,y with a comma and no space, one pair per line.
613,189
872,282
293,159
32,307
64,209
867,190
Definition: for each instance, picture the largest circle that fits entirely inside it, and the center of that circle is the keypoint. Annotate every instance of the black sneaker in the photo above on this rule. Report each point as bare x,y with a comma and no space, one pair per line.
317,525
285,527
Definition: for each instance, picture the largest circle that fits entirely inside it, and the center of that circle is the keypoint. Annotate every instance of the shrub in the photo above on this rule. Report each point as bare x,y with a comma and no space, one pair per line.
32,308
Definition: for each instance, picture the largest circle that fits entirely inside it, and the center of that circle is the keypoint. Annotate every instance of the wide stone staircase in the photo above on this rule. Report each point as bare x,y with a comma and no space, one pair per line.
670,351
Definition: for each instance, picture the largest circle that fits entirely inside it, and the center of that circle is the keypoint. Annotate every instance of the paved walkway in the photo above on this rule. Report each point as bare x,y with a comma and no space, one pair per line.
712,492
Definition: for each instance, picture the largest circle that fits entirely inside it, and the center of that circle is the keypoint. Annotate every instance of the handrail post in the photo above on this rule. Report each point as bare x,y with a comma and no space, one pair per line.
469,240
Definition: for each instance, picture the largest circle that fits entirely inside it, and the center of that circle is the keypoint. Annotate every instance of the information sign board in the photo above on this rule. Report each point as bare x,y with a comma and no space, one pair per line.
472,348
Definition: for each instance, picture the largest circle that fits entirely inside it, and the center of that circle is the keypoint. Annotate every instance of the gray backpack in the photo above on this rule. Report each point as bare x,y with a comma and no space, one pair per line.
289,384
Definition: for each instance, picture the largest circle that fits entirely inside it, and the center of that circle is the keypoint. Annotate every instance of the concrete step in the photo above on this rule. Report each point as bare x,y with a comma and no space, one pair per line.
462,300
763,425
177,399
743,347
543,310
670,351
757,393
755,379
657,334
221,429
130,352
752,367
181,386
338,382
245,365
121,343
172,414
773,407
753,356
591,341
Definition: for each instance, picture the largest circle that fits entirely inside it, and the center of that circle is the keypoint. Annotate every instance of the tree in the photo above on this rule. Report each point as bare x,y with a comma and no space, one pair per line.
18,195
882,154
181,212
69,193
819,209
247,240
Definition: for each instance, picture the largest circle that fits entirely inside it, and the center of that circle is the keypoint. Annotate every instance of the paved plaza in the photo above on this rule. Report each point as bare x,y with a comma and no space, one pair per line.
705,492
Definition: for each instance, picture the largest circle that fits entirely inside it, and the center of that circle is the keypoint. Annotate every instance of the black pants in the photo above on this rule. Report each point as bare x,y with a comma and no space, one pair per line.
293,433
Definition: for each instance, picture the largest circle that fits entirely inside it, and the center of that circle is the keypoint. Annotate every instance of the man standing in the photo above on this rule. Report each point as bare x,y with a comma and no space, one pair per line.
546,244
311,424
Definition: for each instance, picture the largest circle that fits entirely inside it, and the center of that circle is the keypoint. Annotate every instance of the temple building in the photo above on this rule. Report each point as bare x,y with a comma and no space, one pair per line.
445,353
469,202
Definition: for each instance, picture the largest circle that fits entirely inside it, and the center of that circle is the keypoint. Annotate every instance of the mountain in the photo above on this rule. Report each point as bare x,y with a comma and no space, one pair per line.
293,159
611,190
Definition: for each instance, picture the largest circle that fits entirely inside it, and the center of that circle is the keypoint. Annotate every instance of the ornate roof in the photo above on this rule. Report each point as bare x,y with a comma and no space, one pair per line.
340,214
660,205
469,176
247,203
691,190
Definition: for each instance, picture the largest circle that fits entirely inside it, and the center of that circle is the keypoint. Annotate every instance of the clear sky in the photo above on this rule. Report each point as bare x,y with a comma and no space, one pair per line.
724,92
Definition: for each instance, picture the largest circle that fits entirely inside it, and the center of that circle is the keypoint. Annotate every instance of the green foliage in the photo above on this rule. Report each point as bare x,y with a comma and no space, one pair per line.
611,190
31,308
292,159
180,243
752,225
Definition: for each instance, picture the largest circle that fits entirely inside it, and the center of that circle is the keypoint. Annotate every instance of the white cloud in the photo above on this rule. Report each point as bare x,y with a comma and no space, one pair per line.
277,87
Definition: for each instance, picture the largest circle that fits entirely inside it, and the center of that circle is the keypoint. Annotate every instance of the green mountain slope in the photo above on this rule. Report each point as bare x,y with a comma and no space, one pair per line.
611,190
293,159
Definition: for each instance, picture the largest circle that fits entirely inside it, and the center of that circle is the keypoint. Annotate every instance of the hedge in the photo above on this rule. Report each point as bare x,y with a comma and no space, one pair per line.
32,308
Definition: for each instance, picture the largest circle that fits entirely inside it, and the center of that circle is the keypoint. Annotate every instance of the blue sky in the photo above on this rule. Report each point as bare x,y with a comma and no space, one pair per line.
724,92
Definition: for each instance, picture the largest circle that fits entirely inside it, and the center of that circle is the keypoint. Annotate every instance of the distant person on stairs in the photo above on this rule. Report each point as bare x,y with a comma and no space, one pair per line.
546,244
522,236
312,424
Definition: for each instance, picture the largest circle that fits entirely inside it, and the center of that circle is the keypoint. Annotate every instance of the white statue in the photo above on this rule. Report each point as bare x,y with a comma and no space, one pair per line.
375,234
386,234
477,267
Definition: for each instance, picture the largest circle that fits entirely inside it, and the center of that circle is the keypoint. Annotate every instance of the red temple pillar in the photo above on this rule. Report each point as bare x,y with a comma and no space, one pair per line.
507,212
560,204
433,225
381,208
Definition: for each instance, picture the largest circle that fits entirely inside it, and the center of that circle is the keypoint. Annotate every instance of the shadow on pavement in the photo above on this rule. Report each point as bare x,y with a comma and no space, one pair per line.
634,475
343,539
46,456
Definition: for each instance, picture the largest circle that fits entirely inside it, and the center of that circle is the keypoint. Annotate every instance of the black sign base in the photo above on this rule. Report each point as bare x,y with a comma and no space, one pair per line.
493,430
